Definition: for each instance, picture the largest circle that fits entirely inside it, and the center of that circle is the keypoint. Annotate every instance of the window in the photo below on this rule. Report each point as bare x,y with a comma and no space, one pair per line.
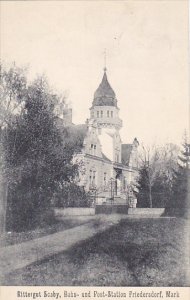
91,148
108,113
124,183
92,114
105,178
112,114
90,177
101,113
97,114
94,177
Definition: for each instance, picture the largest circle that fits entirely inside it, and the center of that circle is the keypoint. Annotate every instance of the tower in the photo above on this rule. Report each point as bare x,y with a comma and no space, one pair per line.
104,106
105,114
106,160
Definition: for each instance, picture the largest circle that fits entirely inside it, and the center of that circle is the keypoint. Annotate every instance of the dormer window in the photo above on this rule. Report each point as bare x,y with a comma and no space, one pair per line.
93,149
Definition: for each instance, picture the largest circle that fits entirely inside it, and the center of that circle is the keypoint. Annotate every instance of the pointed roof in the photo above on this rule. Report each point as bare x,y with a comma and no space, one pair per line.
104,95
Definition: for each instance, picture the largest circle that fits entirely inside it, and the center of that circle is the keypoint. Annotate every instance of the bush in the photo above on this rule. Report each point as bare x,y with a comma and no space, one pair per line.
28,209
71,195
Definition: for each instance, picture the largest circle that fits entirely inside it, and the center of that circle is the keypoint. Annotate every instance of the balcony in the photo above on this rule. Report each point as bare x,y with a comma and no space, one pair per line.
110,121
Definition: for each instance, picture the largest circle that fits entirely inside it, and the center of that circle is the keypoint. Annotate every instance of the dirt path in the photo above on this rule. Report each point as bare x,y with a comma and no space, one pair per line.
20,255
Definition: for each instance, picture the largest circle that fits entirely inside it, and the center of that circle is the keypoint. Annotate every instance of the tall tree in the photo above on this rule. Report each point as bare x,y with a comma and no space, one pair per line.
149,170
12,90
181,185
40,161
157,170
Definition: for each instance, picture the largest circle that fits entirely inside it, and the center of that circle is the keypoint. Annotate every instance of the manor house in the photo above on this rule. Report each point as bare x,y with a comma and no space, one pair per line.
106,165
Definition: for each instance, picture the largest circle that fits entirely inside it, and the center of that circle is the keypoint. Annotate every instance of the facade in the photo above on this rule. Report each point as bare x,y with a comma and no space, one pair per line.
106,165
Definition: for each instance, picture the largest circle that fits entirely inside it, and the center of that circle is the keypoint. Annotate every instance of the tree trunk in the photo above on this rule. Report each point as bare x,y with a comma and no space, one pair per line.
150,196
3,205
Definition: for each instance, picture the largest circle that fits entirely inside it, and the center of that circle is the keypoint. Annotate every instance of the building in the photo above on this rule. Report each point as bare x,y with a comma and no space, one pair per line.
107,166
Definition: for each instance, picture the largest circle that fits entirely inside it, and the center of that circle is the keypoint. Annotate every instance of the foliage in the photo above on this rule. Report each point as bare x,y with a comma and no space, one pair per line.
38,156
13,87
71,195
12,92
159,190
180,191
155,181
76,134
148,174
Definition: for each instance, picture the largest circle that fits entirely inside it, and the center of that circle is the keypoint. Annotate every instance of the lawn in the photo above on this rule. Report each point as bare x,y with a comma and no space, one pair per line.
60,224
136,252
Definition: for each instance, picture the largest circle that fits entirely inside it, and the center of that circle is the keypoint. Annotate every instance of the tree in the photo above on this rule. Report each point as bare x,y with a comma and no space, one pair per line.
149,170
13,84
180,190
12,89
38,158
157,170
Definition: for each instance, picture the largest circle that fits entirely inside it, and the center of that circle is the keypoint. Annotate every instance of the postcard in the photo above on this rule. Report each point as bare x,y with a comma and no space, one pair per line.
94,150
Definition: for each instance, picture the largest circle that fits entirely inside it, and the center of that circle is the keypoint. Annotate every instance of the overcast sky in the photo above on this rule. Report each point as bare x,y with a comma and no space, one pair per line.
147,53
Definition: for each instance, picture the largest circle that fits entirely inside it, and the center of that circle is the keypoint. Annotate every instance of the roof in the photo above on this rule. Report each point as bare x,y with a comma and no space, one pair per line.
105,157
77,135
104,95
126,150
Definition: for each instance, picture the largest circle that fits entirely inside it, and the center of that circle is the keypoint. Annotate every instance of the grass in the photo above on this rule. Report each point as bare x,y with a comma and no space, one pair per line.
136,252
11,238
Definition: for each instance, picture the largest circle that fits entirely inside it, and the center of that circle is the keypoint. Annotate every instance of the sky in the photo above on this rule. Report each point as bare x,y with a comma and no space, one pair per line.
147,58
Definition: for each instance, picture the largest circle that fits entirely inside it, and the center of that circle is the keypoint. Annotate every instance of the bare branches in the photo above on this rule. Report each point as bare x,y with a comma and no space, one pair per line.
12,88
157,166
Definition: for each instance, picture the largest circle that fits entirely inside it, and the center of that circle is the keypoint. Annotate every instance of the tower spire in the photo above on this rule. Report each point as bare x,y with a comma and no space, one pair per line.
105,68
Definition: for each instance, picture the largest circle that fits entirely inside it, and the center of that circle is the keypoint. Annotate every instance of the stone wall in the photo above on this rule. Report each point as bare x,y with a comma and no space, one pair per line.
146,211
111,209
74,211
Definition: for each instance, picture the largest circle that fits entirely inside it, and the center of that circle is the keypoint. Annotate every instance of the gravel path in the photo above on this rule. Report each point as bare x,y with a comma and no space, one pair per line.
20,255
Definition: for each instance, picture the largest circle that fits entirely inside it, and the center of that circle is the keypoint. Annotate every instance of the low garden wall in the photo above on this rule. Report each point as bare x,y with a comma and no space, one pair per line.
124,209
146,211
74,211
108,209
111,209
